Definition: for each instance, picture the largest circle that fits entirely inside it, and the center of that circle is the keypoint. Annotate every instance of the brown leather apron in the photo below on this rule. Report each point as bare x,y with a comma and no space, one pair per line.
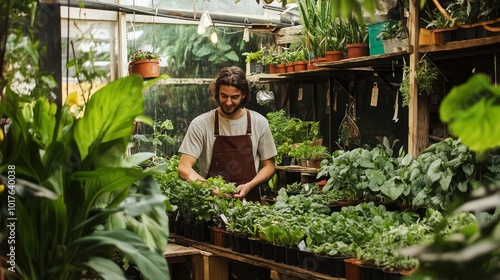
233,159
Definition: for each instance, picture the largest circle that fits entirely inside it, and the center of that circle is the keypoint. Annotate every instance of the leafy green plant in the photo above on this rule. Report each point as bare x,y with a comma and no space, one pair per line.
467,110
291,130
393,30
357,31
158,137
335,36
305,150
143,55
74,185
253,56
426,75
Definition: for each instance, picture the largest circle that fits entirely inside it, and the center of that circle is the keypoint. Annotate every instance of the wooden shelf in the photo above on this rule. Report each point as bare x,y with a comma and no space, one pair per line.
374,61
281,268
462,45
297,169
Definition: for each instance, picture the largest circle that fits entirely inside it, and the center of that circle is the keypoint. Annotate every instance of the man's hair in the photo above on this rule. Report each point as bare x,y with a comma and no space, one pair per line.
231,76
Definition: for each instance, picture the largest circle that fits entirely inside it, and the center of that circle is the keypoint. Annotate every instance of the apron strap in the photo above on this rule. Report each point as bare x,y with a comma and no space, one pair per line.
249,124
216,124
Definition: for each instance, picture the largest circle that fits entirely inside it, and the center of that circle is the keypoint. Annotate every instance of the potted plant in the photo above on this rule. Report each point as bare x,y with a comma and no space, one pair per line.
309,155
335,40
356,40
255,60
144,63
426,75
284,157
394,36
83,205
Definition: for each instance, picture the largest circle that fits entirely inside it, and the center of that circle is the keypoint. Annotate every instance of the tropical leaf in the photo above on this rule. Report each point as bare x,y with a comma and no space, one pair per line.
112,121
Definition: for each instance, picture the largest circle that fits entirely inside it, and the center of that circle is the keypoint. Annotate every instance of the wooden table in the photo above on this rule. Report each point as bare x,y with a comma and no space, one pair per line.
205,265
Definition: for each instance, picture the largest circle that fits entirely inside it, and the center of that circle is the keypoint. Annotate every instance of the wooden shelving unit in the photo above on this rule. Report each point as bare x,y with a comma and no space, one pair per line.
278,270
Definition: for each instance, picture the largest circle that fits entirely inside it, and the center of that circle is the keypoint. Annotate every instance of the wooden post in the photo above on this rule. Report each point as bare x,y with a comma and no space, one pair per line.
418,114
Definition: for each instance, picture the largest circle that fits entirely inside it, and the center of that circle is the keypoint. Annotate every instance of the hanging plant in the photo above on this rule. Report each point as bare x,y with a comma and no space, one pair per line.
425,77
144,63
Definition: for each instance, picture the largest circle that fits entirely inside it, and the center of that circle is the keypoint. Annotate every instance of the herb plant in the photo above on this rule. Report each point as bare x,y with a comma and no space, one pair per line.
143,55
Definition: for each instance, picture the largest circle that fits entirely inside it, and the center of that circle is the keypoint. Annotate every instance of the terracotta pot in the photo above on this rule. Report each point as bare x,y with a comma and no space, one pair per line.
352,269
357,50
218,239
272,69
289,67
281,68
300,66
311,64
334,55
145,68
314,162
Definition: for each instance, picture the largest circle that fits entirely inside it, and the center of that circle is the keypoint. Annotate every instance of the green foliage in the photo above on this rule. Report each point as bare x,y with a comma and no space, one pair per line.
364,174
471,111
253,56
393,30
192,55
426,77
357,31
305,150
143,55
158,137
291,130
75,186
21,52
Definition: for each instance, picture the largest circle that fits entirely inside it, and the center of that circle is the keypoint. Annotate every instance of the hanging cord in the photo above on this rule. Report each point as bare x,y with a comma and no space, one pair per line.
133,27
67,50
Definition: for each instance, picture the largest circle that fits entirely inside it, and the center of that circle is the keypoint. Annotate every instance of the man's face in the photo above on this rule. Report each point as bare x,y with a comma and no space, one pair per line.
230,99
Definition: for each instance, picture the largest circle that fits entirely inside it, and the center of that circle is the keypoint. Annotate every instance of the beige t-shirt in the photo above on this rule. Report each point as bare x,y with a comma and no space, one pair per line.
200,138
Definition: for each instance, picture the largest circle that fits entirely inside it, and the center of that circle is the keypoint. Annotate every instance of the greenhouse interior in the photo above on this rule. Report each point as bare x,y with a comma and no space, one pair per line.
253,140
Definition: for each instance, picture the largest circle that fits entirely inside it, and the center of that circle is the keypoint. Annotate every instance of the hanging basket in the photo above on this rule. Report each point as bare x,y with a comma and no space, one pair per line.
145,68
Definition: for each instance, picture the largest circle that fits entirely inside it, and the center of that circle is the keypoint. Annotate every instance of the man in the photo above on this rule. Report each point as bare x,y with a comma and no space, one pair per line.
230,141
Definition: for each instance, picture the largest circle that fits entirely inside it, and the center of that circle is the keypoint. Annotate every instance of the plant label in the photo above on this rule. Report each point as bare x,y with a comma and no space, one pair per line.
224,218
374,99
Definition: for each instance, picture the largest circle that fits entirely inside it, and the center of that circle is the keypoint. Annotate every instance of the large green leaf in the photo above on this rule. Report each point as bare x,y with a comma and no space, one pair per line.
392,190
106,268
472,111
151,264
110,114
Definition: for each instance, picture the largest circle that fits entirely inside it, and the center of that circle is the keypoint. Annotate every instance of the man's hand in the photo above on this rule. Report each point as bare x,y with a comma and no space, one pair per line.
243,190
